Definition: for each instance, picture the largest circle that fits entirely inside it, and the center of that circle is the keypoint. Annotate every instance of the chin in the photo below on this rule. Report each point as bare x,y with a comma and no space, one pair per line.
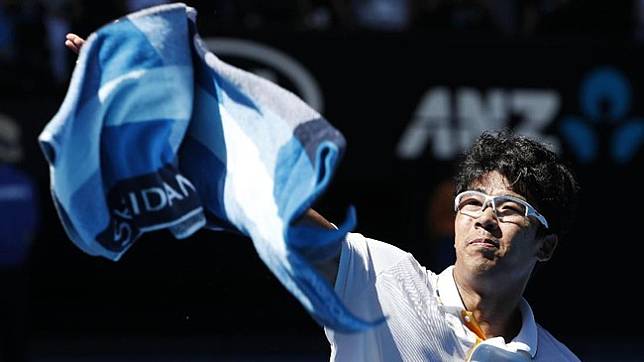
478,261
481,264
485,268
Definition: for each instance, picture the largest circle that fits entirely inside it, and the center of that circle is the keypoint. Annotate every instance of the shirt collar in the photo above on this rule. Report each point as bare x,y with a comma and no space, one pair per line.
526,340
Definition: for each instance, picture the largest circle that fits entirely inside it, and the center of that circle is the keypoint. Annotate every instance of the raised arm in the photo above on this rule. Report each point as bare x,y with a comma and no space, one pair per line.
328,268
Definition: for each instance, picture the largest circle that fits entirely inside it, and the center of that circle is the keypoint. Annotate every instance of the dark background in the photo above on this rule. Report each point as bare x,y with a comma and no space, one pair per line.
210,297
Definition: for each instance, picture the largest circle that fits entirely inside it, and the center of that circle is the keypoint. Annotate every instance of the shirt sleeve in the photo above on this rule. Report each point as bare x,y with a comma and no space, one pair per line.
361,261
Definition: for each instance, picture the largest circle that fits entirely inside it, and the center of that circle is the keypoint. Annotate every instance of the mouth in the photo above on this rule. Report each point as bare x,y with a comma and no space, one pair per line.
484,242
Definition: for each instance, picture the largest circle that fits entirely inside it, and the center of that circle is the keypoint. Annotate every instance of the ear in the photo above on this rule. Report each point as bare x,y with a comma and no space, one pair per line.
548,246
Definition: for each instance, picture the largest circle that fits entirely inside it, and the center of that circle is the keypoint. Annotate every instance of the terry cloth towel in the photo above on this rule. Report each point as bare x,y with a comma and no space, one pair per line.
156,132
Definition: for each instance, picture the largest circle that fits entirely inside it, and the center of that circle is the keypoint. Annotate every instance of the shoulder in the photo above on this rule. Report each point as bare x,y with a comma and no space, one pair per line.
378,257
376,251
376,248
551,349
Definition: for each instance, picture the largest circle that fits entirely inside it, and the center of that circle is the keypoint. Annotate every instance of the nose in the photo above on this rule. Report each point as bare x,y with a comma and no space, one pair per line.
488,219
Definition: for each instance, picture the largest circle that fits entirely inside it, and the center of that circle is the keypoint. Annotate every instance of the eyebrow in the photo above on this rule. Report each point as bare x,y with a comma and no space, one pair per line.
511,195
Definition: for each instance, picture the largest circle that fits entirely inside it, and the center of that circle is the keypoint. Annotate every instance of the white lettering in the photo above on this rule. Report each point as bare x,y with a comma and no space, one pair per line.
134,203
453,130
538,108
171,193
183,182
147,193
124,214
431,116
477,112
122,232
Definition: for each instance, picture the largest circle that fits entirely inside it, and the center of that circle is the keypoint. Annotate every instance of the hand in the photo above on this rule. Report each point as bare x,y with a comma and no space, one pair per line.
74,42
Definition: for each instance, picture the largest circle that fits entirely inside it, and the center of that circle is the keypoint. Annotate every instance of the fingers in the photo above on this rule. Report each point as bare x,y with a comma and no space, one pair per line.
74,42
70,45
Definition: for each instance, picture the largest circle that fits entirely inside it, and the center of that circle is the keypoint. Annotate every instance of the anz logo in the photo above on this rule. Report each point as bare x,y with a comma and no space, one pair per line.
605,126
448,120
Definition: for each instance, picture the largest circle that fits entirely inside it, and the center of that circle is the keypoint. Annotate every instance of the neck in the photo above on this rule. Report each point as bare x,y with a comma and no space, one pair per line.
494,305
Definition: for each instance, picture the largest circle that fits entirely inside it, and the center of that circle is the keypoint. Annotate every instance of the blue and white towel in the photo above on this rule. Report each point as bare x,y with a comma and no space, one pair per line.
156,132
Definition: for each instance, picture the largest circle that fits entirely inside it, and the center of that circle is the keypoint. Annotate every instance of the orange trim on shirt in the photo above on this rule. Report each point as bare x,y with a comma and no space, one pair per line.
471,323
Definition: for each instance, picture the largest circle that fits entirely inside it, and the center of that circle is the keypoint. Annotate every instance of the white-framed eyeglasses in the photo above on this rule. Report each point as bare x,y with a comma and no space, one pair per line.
506,208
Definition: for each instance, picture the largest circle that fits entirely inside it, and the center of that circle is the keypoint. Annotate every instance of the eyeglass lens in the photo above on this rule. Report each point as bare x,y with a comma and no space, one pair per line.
506,209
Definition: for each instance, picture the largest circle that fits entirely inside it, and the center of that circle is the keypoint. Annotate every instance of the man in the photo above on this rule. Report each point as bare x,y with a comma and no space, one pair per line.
514,199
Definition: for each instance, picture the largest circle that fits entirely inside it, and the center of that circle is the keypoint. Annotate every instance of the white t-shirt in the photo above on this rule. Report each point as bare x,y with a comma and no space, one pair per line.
423,312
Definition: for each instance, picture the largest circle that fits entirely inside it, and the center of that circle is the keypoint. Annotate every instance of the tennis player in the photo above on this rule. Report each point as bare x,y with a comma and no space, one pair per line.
514,200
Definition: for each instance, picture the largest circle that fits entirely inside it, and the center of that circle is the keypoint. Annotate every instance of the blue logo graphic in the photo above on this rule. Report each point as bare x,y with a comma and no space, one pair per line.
605,101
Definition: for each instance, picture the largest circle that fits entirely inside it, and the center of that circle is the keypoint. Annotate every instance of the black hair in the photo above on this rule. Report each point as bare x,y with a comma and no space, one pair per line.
532,170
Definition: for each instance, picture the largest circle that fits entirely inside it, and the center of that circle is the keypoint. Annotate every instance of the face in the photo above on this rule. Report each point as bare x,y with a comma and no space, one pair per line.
486,246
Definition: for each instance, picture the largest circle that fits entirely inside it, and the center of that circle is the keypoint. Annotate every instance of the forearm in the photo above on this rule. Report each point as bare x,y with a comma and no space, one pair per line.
328,268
